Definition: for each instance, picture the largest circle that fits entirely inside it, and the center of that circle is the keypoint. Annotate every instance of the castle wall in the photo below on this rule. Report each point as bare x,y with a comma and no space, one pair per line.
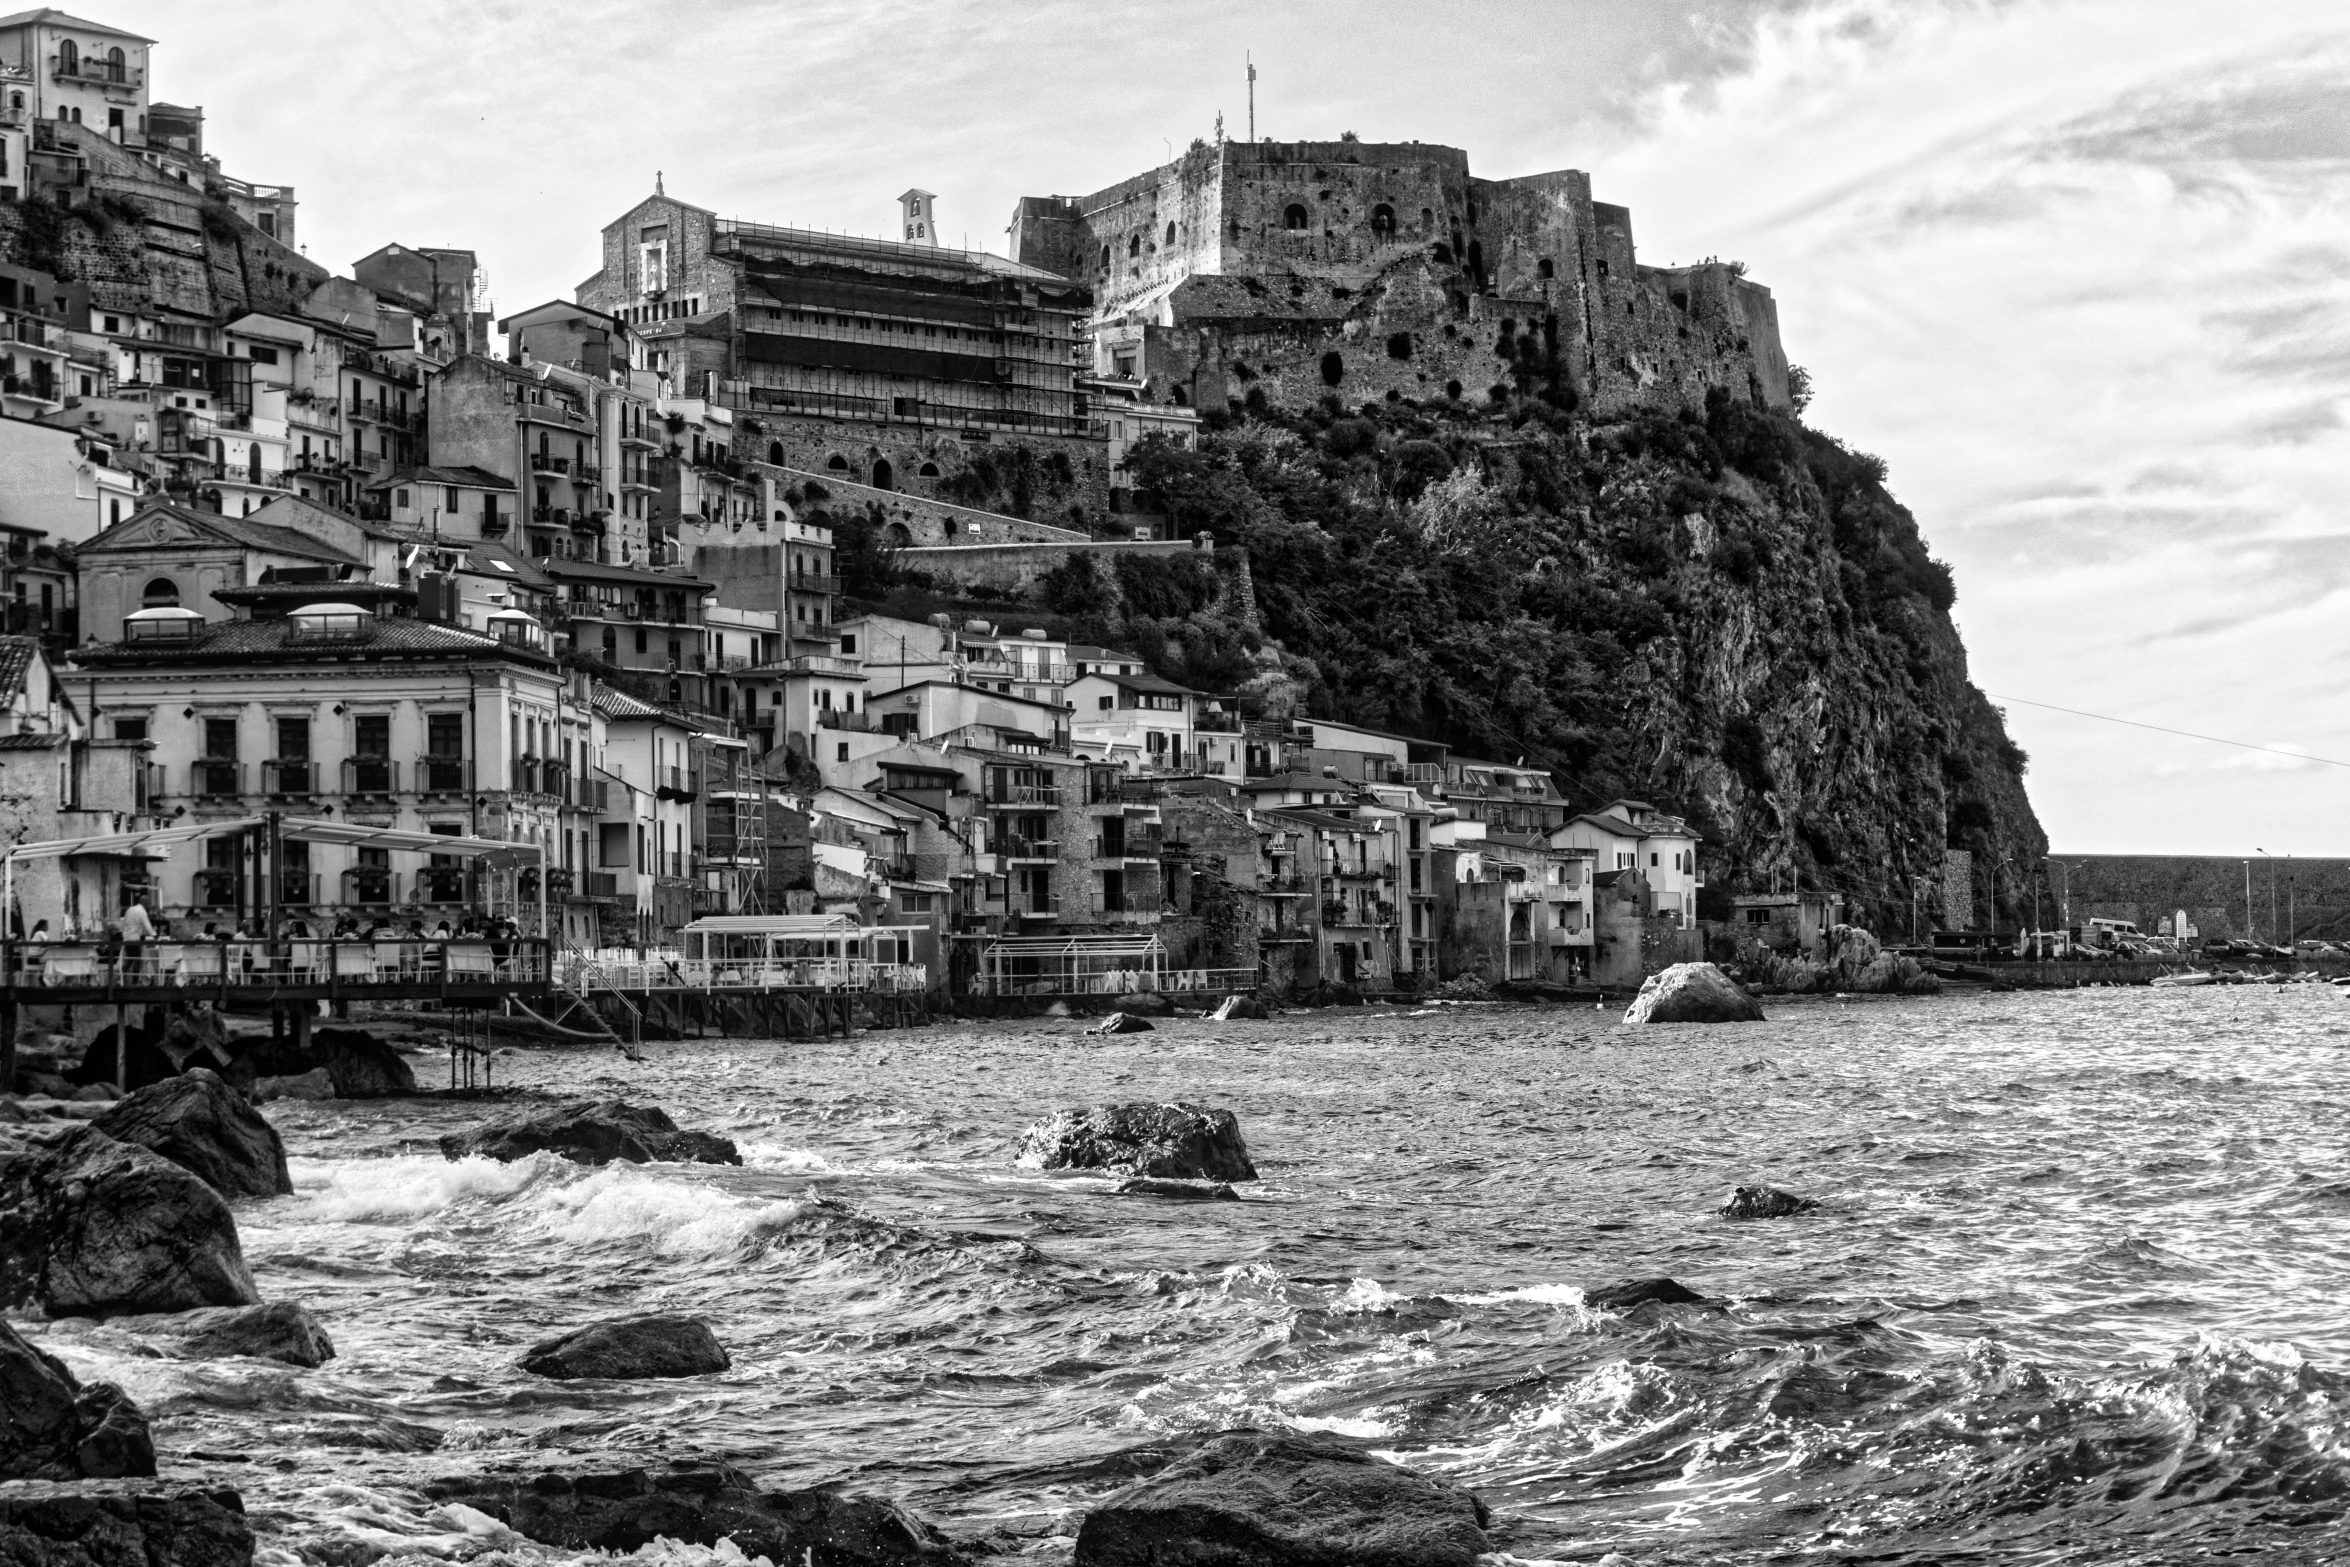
810,444
1018,567
915,520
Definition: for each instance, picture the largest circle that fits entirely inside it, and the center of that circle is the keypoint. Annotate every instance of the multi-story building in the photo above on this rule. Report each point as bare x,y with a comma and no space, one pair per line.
648,627
1634,835
169,556
328,706
896,357
645,835
80,72
1351,860
38,316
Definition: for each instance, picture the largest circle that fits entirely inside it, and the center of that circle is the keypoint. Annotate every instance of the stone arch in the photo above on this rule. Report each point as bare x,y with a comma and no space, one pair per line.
837,463
1293,217
1170,236
928,470
884,476
775,453
897,536
161,593
1134,244
1383,221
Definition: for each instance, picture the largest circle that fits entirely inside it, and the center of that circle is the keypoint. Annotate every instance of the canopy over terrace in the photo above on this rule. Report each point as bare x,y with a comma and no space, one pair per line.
822,951
301,829
1105,965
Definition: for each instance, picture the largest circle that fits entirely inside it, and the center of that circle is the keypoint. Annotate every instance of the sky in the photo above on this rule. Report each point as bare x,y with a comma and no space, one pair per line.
2078,270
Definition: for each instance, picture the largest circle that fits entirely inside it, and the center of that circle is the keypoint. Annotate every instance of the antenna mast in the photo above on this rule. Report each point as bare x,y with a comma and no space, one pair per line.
1252,94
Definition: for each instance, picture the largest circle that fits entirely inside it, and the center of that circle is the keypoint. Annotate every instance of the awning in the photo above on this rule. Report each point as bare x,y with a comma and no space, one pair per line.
125,844
302,829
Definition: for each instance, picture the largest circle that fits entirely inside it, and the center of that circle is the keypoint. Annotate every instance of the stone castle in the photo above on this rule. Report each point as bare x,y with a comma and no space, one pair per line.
1386,269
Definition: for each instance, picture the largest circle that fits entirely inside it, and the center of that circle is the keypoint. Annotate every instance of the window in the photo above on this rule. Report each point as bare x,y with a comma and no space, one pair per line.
130,729
1383,221
844,750
220,739
1134,245
69,60
452,501
1293,217
848,642
162,593
261,355
1170,236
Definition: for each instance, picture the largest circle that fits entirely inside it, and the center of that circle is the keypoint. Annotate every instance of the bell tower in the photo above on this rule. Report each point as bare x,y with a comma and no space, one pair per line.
920,227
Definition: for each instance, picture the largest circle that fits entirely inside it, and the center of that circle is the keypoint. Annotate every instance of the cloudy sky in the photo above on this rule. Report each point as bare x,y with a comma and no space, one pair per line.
2078,269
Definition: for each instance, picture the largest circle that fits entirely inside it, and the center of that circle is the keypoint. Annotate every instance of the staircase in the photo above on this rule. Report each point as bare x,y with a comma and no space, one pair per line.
578,979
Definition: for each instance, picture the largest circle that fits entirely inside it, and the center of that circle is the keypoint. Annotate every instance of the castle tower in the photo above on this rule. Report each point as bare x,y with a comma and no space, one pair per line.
921,228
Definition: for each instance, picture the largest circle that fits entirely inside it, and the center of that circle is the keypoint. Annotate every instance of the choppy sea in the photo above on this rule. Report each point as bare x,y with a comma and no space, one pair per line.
2078,1289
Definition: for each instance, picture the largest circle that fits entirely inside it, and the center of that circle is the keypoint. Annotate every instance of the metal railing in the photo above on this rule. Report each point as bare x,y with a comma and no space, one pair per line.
443,775
216,779
1025,794
1116,982
670,971
289,776
385,959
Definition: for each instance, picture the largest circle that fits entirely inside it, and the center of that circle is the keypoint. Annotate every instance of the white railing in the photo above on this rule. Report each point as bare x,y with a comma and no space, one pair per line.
669,971
1118,982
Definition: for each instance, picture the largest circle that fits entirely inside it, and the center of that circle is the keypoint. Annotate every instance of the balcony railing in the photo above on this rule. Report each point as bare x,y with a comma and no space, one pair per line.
590,473
216,779
367,886
1014,847
443,775
853,723
596,886
441,884
1025,794
542,462
289,776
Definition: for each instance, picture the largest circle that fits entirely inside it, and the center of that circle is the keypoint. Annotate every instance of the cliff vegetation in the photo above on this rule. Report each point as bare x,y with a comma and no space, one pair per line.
1721,611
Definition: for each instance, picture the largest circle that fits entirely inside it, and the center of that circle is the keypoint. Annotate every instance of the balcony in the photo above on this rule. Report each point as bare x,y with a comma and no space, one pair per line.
541,462
590,473
289,777
597,887
851,723
1014,847
441,884
216,779
371,775
823,664
1030,795
443,775
102,73
367,886
1033,908
1285,886
813,582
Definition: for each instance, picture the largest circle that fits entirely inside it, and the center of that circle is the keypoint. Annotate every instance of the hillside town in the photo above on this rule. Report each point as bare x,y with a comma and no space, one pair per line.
597,579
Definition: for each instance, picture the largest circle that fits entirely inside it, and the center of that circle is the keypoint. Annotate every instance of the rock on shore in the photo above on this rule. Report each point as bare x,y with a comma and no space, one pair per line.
54,1428
1272,1499
700,1504
591,1132
283,1331
1624,1294
122,1523
362,1066
202,1125
655,1344
91,1226
1693,993
1172,1141
1121,1023
1193,1191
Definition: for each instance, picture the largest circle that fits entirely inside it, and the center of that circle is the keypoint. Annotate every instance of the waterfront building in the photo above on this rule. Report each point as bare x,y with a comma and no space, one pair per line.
1634,835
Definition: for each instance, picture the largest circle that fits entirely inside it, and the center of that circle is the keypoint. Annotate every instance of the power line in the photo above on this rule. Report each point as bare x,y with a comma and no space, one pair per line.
2108,718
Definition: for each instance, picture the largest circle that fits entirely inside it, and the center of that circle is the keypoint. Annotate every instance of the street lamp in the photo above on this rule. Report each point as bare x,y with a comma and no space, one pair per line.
2064,895
2272,893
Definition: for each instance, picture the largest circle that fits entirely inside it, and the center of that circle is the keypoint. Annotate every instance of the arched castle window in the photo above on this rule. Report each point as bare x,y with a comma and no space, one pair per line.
1427,219
1170,236
838,463
1105,258
1383,221
929,470
162,593
1293,217
775,453
1543,268
69,57
882,473
1134,245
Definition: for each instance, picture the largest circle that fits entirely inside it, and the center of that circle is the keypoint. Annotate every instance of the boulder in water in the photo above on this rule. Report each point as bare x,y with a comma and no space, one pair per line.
1121,1023
363,1066
655,1344
1624,1294
1194,1191
91,1226
1693,993
1764,1202
1177,1141
1279,1499
202,1125
591,1131
122,1523
54,1428
1236,1008
283,1330
700,1504
317,1083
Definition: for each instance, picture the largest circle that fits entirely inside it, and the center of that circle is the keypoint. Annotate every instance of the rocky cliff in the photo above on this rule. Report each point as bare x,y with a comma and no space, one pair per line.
1720,611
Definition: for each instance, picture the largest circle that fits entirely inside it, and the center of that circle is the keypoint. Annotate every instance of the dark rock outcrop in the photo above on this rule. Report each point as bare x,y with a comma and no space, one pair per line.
1176,1141
1273,1499
1693,993
1195,1191
1764,1202
591,1132
53,1428
362,1066
1624,1294
656,1344
620,1510
283,1330
201,1124
1121,1023
1144,1003
122,1523
91,1226
1235,1008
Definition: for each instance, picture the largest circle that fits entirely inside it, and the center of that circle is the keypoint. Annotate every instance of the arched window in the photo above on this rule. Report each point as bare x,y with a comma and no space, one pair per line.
929,470
1134,245
838,463
115,65
1427,219
162,593
1383,221
775,453
253,462
1293,217
1105,258
1170,236
898,537
882,473
69,57
1543,268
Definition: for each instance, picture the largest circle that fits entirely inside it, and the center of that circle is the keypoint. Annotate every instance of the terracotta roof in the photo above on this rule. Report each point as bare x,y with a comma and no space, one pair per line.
273,641
16,661
57,18
467,476
32,740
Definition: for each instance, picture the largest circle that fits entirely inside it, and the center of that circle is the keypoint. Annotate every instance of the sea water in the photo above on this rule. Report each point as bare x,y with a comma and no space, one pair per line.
2077,1288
